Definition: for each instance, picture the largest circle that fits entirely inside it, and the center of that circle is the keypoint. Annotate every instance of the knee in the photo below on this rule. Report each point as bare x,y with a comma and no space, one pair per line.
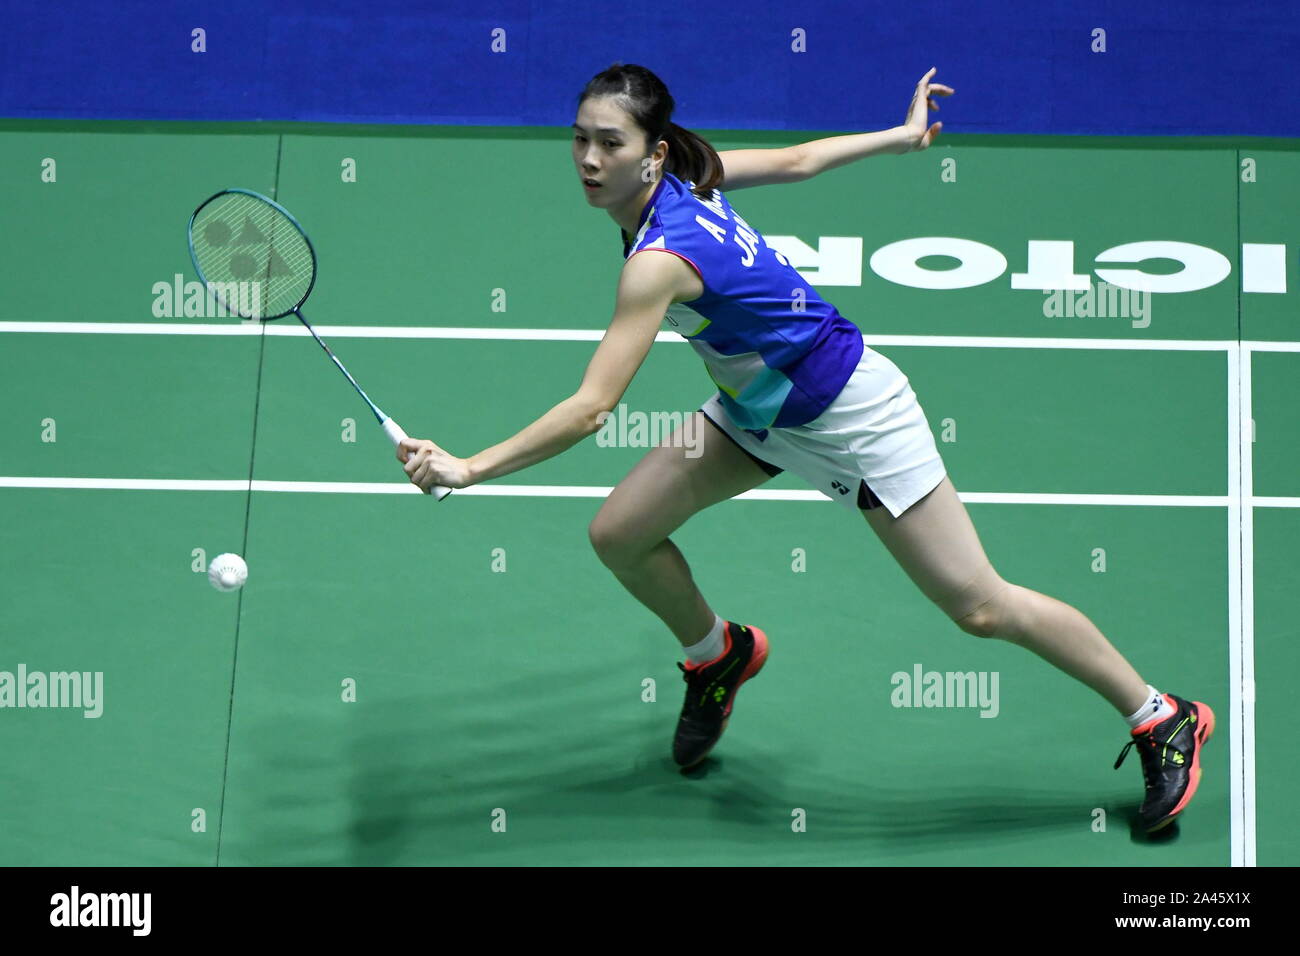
984,621
611,542
601,535
990,613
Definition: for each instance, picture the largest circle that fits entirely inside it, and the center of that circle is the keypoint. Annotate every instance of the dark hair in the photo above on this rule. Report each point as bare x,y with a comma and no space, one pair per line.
648,102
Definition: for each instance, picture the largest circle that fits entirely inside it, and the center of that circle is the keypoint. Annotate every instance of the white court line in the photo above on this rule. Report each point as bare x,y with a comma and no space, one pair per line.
494,489
291,328
1008,342
1015,498
127,484
1247,684
133,328
1236,820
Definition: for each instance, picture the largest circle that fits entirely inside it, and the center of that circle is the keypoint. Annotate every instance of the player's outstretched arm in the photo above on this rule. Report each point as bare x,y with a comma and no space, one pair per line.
793,164
647,287
743,168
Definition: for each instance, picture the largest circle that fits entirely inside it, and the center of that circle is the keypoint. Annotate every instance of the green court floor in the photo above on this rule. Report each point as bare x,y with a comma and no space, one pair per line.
410,682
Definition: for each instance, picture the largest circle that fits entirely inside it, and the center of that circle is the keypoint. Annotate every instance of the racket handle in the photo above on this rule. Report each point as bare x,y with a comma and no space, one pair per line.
395,435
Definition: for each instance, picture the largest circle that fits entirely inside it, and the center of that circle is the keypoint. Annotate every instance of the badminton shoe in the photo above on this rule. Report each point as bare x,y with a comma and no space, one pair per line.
711,692
1171,760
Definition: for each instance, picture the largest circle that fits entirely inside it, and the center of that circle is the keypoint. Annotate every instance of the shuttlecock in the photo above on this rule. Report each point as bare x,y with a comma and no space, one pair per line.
227,572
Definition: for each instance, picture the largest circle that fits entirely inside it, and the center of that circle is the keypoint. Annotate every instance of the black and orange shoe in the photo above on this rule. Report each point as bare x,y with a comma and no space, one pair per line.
1171,759
711,692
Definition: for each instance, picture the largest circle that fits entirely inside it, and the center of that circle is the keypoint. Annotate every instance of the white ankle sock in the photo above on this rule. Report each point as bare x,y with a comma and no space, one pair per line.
712,646
1155,706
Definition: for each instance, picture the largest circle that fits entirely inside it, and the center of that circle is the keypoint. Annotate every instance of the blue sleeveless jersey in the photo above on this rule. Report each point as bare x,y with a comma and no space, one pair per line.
775,365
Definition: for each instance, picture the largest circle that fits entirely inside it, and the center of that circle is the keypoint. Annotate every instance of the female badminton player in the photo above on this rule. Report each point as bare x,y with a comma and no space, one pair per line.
798,390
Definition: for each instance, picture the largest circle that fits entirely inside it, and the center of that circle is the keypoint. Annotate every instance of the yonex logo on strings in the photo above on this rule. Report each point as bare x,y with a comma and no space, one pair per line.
243,264
239,290
842,489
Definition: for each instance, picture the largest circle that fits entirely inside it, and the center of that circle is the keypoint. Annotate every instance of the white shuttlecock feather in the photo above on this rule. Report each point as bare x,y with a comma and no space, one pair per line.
227,572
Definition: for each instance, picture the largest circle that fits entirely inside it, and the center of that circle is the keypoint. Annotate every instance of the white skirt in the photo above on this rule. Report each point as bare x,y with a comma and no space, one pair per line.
872,446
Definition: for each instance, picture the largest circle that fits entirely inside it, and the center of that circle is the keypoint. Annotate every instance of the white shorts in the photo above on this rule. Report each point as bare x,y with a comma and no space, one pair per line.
872,446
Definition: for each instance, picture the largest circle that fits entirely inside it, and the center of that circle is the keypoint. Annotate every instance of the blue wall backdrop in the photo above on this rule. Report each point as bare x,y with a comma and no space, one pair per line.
1187,68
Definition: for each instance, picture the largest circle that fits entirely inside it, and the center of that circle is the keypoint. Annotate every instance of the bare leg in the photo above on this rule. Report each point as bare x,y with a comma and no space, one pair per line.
661,580
630,532
936,544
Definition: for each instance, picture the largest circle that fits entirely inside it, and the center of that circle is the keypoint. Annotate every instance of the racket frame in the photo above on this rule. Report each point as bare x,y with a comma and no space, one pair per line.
189,238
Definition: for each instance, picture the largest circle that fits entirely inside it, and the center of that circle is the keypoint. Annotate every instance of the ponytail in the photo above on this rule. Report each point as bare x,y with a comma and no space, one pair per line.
692,159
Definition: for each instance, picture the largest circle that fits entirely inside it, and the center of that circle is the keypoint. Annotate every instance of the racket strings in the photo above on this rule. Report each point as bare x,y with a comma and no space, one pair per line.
253,257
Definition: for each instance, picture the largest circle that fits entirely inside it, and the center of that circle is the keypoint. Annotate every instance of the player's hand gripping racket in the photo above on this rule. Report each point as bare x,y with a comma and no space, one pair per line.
255,258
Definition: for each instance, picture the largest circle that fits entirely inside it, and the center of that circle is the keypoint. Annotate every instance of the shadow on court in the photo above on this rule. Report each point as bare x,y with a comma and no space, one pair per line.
419,780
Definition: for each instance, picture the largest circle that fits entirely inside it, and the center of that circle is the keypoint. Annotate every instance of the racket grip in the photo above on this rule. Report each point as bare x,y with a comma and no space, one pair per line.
395,435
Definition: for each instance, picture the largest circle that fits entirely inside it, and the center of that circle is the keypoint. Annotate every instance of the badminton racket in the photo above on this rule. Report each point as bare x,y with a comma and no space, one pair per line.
254,257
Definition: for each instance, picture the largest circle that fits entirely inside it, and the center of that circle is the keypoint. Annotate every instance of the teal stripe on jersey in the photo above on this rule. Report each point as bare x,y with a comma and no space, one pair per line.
762,400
